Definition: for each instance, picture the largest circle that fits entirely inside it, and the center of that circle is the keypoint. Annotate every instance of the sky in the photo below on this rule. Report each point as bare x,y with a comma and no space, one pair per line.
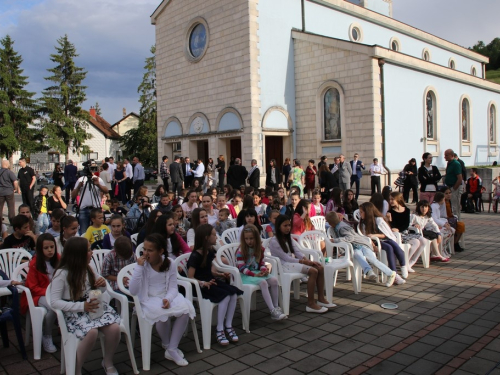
113,38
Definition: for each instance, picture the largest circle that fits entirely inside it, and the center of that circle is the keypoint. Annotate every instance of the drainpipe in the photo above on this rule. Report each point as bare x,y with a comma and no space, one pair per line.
381,63
303,15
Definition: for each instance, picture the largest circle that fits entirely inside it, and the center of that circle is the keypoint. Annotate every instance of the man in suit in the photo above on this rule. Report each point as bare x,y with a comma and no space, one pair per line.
176,175
187,171
139,175
254,175
237,174
345,173
70,172
356,167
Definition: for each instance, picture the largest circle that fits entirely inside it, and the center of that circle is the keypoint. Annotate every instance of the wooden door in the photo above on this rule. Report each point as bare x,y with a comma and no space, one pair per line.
235,145
274,150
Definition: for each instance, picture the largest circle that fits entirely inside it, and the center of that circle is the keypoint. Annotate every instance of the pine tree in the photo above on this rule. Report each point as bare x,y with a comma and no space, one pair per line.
98,111
17,106
65,123
143,140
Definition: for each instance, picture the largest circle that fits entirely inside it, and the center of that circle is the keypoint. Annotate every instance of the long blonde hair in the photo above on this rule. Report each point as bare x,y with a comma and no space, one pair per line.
257,251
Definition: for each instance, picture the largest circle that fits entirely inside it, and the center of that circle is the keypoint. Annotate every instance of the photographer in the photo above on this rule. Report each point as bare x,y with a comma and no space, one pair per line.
141,206
90,197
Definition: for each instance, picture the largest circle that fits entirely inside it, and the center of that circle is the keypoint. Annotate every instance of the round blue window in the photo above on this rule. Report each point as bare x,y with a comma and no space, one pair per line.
198,40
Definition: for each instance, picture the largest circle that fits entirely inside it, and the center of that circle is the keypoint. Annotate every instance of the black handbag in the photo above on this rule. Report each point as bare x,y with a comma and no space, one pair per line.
429,234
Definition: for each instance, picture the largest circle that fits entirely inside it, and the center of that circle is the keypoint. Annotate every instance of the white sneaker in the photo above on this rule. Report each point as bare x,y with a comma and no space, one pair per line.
391,279
371,275
399,280
404,272
277,314
411,270
48,345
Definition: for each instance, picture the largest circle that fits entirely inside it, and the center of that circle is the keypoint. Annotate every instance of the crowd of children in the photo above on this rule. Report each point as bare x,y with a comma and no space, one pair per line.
193,224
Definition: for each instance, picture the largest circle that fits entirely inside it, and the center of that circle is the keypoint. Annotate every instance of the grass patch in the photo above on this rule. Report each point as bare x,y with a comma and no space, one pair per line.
493,76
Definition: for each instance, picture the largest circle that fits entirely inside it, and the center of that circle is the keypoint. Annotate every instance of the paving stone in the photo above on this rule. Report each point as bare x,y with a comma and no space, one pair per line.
423,367
478,365
386,368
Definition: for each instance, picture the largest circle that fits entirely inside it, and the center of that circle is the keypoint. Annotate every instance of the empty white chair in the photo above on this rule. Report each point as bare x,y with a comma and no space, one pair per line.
206,307
69,341
319,223
10,259
338,263
145,327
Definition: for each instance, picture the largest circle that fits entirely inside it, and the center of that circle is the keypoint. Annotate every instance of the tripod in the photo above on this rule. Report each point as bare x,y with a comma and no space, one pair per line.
95,199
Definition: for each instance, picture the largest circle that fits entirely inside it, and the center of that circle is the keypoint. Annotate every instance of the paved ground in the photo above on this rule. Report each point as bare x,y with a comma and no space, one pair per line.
447,322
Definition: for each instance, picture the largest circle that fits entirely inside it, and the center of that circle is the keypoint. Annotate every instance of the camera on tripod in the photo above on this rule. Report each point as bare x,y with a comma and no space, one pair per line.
87,167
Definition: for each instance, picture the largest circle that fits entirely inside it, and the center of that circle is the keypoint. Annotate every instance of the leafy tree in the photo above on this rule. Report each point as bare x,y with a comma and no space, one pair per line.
17,106
143,140
65,123
98,111
492,50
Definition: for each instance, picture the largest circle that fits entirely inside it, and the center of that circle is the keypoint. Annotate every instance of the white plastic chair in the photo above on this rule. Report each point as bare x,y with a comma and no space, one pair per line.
332,268
133,238
231,235
138,250
229,252
35,315
356,215
319,223
9,260
69,342
153,206
146,328
98,258
206,307
263,234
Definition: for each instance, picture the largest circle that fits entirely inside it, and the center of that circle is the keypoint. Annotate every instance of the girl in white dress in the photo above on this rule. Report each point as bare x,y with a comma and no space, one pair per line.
71,285
154,282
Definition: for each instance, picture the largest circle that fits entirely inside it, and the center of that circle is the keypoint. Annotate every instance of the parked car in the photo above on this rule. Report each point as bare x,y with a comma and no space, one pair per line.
150,173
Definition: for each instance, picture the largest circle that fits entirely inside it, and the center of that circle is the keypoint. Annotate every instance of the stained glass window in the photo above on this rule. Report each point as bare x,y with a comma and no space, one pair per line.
465,120
355,34
198,40
430,104
332,120
493,123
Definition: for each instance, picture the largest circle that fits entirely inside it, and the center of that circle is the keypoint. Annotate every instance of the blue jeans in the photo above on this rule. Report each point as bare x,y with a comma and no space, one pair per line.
43,222
363,255
84,219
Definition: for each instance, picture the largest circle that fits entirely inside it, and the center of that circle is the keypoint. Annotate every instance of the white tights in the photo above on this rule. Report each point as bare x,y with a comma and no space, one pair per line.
171,338
416,249
111,341
226,310
271,299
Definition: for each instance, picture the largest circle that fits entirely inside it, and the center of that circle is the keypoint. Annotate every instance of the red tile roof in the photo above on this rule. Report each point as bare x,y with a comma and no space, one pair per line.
103,126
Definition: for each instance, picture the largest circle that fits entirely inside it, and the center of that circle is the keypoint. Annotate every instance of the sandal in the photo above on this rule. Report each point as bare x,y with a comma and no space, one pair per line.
232,334
221,338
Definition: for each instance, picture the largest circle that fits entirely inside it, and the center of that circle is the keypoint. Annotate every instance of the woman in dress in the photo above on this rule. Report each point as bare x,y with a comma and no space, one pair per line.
119,177
221,170
58,175
154,281
286,171
298,177
71,286
311,172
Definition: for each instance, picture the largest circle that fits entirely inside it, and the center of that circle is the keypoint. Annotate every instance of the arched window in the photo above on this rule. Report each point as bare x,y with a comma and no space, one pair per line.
331,115
493,124
465,120
430,111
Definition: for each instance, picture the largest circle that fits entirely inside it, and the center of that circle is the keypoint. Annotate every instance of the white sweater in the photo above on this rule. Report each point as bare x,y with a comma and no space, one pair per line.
425,223
439,214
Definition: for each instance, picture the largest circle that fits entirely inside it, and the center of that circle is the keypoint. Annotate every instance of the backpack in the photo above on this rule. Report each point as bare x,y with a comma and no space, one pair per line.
469,207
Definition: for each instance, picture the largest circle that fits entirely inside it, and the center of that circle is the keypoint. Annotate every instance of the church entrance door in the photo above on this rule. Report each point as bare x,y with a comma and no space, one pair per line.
274,150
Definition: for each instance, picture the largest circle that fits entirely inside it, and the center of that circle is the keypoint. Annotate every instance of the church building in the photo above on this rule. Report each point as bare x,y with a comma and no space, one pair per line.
276,79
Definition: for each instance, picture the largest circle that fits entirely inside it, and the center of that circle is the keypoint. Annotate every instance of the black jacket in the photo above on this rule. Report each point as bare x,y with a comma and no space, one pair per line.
427,178
176,174
411,178
236,176
279,178
254,178
191,166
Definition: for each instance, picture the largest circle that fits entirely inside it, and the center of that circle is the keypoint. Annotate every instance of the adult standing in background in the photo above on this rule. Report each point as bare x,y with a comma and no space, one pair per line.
311,173
129,172
70,177
221,170
429,176
27,182
8,185
411,181
165,172
176,175
105,176
120,177
327,182
139,175
187,170
286,172
254,175
199,171
453,180
111,170
273,175
237,174
345,173
356,167
323,161
298,177
58,175
376,170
